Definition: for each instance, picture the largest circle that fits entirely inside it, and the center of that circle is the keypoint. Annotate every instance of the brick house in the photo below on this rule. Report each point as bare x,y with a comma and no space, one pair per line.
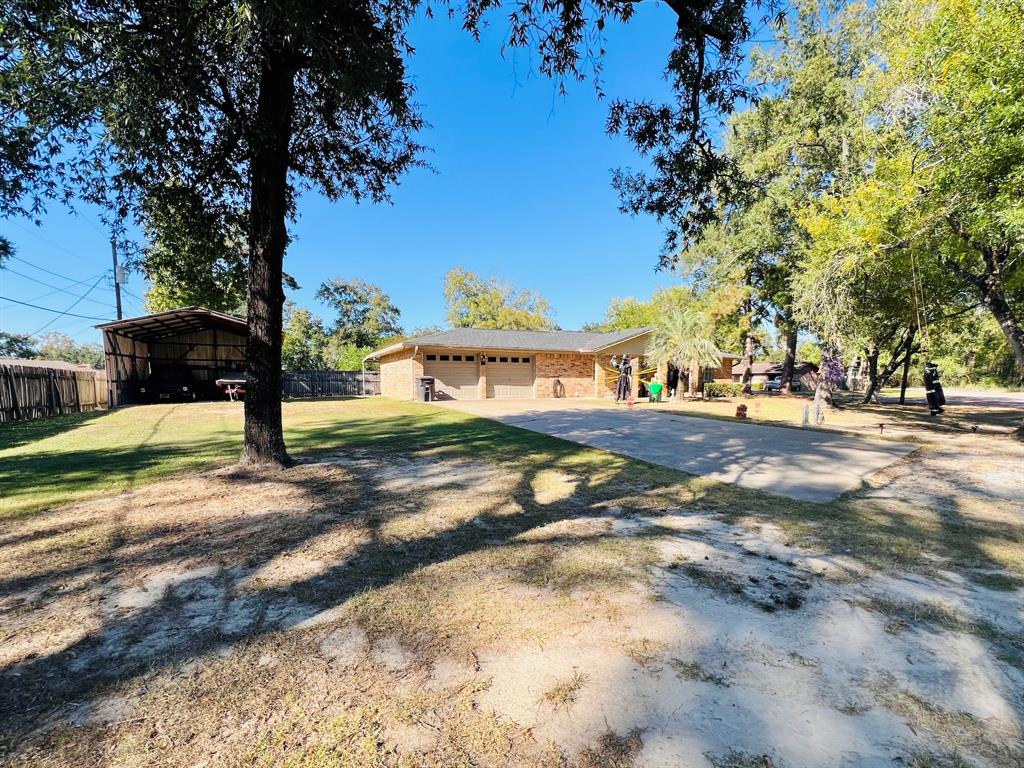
477,363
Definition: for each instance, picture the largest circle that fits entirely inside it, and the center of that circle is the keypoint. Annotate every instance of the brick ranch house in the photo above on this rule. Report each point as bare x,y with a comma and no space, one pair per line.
476,364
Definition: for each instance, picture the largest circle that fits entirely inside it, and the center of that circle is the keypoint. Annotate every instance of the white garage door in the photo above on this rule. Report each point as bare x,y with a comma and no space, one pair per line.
509,376
455,376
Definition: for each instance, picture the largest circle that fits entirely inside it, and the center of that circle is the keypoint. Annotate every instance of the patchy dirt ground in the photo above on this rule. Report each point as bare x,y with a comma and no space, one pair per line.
425,611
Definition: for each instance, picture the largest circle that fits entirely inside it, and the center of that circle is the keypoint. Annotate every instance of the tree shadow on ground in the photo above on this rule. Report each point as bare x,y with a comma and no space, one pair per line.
353,493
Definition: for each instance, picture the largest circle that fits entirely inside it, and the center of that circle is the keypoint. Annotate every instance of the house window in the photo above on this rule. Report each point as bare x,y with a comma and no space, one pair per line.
456,358
515,359
444,358
526,359
492,359
503,360
431,357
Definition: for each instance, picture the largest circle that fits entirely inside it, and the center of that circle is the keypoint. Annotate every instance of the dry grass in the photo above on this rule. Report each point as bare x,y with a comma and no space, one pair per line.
612,751
904,614
206,606
563,693
958,732
909,421
734,759
644,651
693,670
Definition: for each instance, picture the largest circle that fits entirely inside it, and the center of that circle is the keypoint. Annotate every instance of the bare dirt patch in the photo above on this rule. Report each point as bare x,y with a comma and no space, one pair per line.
427,611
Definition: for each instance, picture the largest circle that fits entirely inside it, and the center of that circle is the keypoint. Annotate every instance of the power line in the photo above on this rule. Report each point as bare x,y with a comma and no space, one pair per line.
51,272
50,285
73,305
51,242
50,309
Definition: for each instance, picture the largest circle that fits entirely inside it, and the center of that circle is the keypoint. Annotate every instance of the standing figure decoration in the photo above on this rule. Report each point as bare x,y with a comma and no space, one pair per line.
933,389
624,387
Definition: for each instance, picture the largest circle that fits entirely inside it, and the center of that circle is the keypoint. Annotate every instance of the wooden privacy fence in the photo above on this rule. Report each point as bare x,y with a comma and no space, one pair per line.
329,383
32,390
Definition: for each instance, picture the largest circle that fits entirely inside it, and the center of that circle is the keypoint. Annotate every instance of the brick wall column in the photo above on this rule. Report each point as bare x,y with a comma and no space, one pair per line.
482,368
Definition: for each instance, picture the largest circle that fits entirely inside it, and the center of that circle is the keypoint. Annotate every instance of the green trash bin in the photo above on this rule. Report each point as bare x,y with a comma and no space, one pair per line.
655,388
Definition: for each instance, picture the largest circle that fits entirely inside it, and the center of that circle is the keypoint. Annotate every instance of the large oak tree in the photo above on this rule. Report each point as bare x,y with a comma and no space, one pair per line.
244,104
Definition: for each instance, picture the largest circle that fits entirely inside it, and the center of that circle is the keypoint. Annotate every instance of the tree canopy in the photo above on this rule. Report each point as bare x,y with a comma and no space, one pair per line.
366,316
473,301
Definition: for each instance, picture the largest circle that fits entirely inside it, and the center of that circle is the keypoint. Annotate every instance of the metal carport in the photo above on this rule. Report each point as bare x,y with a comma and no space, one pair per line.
194,341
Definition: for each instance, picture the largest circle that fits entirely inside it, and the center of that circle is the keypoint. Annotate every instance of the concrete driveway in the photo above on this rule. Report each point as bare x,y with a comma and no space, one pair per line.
803,464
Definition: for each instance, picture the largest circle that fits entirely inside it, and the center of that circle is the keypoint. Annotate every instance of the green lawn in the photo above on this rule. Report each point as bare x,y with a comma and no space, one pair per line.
53,461
65,459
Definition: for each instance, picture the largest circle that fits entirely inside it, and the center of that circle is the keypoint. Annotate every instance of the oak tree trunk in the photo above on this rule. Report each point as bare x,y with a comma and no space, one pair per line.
789,362
871,358
900,355
748,363
906,365
268,237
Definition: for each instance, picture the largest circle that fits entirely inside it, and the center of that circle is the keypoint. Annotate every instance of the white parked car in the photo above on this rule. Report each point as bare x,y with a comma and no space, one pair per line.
775,385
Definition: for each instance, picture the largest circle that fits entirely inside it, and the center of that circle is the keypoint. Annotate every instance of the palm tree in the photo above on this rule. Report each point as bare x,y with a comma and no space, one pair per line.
682,338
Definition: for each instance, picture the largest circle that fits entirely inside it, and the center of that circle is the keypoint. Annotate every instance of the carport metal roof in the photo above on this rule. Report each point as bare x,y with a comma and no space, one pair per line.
174,322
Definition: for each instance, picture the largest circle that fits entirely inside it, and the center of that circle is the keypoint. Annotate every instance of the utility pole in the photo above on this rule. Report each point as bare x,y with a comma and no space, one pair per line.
117,276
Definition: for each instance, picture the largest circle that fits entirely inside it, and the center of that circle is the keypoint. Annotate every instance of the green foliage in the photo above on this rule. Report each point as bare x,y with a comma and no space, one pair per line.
933,221
790,148
17,345
723,389
366,315
308,346
809,352
58,346
196,254
477,302
304,344
683,337
346,356
623,314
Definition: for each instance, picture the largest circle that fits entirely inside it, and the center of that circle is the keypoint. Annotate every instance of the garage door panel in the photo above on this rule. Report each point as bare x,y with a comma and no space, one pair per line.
510,380
453,380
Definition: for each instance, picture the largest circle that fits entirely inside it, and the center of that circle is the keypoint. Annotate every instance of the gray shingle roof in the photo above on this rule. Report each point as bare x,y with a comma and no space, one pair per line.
539,341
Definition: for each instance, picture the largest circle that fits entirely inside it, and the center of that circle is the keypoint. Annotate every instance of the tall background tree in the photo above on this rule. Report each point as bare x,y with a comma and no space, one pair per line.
944,191
195,253
366,316
17,345
473,301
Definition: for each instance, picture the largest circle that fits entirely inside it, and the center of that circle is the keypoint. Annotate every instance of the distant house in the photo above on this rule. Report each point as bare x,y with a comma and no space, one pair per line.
478,364
762,372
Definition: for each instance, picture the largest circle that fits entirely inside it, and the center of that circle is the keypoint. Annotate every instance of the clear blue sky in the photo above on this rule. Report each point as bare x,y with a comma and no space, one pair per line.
520,189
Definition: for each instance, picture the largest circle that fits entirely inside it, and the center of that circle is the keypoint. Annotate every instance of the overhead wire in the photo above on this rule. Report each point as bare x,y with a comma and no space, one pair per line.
55,287
51,272
51,309
73,305
52,243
